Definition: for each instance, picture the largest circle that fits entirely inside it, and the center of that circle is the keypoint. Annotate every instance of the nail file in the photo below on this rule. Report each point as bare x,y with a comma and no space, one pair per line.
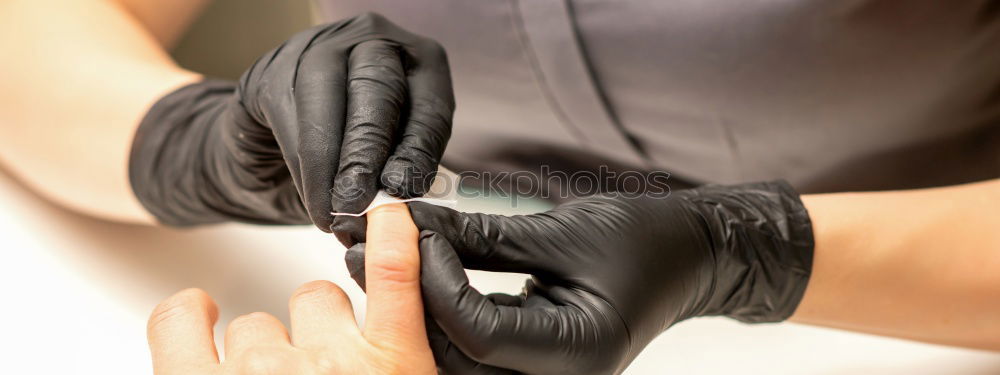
443,192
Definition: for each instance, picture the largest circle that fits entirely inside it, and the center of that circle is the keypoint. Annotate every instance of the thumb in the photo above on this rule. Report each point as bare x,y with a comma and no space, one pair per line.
485,242
395,318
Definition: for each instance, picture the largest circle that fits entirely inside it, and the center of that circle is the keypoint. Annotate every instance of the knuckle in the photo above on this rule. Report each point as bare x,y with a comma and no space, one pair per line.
380,51
379,76
388,269
432,55
434,45
370,16
373,22
435,49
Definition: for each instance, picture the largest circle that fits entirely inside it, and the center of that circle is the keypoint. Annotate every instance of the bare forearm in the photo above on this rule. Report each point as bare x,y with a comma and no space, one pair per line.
78,77
166,21
921,264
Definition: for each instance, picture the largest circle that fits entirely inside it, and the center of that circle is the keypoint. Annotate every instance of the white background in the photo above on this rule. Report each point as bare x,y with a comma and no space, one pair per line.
76,292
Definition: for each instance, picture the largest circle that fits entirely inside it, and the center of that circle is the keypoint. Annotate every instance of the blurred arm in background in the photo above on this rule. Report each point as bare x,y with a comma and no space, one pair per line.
84,70
318,124
918,264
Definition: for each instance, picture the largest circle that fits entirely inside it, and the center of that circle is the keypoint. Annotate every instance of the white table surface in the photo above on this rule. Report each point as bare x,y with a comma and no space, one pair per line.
77,292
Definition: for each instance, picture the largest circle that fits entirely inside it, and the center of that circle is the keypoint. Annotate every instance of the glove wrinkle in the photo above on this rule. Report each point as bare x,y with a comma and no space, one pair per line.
611,273
307,130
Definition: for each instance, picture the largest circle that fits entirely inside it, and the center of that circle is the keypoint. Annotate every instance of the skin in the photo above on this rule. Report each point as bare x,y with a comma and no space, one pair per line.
324,337
914,264
76,88
918,264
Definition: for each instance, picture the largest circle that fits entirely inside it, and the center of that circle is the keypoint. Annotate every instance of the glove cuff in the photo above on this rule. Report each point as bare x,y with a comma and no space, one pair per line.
168,153
763,243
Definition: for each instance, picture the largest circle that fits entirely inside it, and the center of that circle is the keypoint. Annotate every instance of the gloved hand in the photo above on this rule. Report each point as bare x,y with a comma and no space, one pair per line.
312,127
609,275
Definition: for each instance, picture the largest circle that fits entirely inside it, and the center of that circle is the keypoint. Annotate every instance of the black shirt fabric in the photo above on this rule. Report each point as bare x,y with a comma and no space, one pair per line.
829,95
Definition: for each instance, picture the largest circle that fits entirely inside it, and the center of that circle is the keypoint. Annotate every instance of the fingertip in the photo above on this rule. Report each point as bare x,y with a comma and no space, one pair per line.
349,230
315,202
434,246
355,260
324,223
191,301
405,178
353,190
179,331
433,217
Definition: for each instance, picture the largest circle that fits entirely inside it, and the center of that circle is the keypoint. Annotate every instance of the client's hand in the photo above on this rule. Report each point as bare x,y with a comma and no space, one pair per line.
324,339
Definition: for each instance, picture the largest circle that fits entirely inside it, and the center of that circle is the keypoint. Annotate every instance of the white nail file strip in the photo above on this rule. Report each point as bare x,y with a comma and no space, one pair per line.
443,192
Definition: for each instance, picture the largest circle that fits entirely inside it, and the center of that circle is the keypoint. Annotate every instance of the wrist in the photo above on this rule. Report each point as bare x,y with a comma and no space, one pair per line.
170,150
761,238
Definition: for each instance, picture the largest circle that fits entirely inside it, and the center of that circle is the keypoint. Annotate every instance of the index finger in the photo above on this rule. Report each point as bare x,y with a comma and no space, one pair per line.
412,166
392,265
375,93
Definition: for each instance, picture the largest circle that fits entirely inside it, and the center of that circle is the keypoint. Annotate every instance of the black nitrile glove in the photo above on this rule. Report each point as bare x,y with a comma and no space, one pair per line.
610,274
312,127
